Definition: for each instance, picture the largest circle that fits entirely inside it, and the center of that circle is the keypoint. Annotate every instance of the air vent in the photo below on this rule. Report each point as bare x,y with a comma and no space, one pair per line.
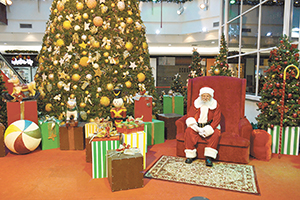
246,30
25,25
216,24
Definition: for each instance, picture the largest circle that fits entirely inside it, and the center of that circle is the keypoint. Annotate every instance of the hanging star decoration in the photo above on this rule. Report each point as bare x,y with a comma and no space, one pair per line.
61,61
125,74
83,45
176,75
67,57
70,17
86,26
57,97
141,59
77,16
193,73
62,75
132,65
67,87
44,76
98,72
70,47
50,49
94,30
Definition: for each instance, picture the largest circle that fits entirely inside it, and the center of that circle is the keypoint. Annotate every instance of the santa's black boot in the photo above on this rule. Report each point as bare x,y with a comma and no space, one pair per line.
208,162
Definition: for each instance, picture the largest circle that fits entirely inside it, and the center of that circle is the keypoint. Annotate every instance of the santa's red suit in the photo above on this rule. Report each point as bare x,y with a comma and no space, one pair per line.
203,125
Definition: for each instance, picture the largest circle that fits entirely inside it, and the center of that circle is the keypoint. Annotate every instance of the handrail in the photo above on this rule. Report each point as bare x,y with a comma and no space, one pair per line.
11,68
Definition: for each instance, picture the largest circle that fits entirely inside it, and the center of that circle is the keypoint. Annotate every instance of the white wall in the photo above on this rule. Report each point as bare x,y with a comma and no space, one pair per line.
251,110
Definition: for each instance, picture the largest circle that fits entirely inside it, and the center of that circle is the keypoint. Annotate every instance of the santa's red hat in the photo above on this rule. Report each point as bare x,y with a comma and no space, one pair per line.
207,90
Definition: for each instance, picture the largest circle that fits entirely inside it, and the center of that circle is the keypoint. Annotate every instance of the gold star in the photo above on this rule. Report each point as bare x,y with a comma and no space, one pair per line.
98,72
62,74
83,45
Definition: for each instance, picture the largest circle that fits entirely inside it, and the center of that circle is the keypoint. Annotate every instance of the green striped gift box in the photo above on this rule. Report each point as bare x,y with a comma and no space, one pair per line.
99,150
289,140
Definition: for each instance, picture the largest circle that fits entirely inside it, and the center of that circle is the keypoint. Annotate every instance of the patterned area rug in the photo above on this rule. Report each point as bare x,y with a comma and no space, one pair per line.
228,176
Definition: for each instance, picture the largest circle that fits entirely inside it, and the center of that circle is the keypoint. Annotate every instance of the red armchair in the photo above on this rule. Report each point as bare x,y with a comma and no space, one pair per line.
230,92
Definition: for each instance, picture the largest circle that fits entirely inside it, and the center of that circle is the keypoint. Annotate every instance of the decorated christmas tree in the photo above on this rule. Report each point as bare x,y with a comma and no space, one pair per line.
195,66
89,48
220,67
3,112
271,94
177,85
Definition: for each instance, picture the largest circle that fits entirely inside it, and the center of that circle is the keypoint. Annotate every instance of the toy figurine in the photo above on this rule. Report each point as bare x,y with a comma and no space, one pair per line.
72,111
118,113
17,94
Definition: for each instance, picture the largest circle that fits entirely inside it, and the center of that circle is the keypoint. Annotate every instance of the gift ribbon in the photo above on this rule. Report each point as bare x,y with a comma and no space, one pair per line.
22,110
152,133
173,104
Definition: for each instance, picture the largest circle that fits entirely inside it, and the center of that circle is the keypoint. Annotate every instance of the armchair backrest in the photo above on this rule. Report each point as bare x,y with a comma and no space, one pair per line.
230,92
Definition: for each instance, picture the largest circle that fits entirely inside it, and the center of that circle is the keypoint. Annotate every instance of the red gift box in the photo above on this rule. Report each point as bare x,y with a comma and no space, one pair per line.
26,110
143,108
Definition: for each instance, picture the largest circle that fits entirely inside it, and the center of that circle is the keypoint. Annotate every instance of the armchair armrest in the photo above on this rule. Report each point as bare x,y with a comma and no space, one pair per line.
245,128
181,125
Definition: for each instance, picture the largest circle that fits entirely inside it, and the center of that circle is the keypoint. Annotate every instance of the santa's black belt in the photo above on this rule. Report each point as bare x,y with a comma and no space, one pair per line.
201,125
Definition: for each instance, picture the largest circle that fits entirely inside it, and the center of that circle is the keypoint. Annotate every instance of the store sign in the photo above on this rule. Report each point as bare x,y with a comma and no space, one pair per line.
21,61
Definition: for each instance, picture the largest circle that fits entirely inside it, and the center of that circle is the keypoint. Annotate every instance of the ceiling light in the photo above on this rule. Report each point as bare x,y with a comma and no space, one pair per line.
232,2
180,10
204,29
268,34
204,5
9,2
157,31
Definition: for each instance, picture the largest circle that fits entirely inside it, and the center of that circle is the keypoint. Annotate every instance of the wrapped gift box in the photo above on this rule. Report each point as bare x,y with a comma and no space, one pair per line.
3,150
155,131
138,140
26,110
92,127
170,127
130,126
124,171
289,140
99,147
173,104
50,134
143,108
72,137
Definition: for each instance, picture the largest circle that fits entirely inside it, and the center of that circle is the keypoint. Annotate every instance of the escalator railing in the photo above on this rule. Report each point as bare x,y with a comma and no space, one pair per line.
8,69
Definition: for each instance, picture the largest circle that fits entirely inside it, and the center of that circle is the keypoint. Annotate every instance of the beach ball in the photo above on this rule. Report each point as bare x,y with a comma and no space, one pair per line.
22,136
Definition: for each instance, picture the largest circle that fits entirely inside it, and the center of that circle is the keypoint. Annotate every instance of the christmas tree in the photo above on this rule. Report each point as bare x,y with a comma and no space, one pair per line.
177,85
3,112
89,48
283,55
195,67
221,66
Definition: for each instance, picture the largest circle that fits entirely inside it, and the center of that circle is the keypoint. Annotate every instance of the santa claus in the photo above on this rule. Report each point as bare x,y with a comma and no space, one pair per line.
203,124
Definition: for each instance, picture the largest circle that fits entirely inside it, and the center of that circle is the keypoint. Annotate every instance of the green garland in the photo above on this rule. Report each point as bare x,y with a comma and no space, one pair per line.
21,51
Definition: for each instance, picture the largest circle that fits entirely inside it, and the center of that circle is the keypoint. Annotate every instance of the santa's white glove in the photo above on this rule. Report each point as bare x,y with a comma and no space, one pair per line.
202,133
195,128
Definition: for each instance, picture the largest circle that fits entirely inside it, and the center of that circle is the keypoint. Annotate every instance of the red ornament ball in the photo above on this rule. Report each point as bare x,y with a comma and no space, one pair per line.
272,125
295,115
281,41
290,95
280,75
277,84
285,62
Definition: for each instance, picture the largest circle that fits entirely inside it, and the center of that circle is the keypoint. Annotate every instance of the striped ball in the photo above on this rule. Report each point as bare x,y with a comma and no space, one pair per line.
22,136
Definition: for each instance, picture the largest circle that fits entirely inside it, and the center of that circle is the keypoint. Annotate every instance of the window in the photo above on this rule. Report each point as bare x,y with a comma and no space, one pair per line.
252,29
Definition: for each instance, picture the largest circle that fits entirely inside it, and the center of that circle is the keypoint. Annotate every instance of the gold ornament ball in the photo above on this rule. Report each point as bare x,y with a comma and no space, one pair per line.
109,86
88,112
145,45
96,44
98,21
273,102
72,96
128,46
51,76
75,87
75,77
105,54
128,84
48,107
84,53
106,60
87,92
60,6
121,5
60,42
84,61
60,84
129,12
153,103
107,47
82,105
79,6
75,66
217,71
141,77
273,76
91,4
85,16
62,103
129,20
113,5
104,101
67,24
57,36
